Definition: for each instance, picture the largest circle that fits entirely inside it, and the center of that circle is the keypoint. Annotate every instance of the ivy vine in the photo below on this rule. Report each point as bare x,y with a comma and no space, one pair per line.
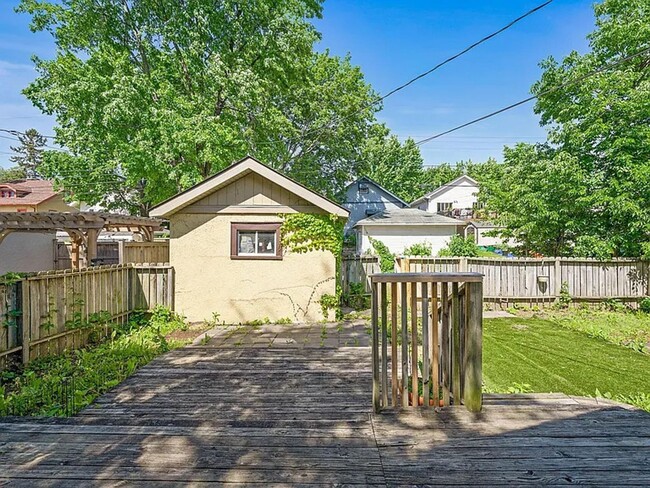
304,232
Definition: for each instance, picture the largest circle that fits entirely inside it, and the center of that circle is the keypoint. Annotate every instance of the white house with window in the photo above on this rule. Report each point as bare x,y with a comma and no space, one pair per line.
456,199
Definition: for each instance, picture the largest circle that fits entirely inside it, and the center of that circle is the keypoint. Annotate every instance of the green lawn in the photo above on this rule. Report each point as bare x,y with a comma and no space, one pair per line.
538,355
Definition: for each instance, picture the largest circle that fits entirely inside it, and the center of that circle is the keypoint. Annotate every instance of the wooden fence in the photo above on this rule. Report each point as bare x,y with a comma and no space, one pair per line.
119,252
530,282
432,353
52,311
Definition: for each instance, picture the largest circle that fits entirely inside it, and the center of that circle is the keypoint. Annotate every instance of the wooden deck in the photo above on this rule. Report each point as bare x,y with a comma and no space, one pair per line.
282,415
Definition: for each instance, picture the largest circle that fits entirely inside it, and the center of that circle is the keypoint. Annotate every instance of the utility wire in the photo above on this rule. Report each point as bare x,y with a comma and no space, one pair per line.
533,97
467,49
438,66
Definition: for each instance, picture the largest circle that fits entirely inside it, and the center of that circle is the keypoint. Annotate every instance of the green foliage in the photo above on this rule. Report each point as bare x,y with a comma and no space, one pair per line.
565,298
644,306
283,321
257,322
617,326
587,192
396,166
552,358
11,174
519,388
90,372
460,246
418,249
330,302
386,258
592,247
29,154
304,232
11,278
356,296
152,97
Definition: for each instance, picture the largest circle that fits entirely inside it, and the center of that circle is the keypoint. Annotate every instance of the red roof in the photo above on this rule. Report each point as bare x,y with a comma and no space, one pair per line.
27,192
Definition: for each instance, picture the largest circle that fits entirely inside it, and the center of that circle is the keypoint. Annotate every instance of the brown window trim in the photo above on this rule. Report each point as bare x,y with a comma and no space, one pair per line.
255,226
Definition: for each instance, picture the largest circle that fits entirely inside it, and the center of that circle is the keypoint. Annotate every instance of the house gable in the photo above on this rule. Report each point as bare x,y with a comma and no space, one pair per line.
254,188
463,182
252,193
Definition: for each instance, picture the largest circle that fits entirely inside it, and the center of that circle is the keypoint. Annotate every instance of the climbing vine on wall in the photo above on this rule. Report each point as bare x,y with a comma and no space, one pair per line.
302,232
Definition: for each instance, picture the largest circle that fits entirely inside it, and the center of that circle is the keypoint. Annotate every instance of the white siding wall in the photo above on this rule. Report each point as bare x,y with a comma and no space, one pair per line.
398,237
462,196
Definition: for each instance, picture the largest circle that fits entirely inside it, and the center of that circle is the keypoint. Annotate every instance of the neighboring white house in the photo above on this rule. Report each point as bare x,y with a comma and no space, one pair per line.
401,228
457,198
478,228
365,197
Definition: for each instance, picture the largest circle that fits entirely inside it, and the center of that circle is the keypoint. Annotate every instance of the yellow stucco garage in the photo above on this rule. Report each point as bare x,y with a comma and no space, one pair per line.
226,251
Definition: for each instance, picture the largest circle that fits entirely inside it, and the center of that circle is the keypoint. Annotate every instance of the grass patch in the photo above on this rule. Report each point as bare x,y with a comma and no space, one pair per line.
534,354
627,329
64,384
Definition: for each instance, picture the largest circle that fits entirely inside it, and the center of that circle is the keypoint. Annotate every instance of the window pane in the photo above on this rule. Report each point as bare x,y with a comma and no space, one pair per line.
266,242
245,242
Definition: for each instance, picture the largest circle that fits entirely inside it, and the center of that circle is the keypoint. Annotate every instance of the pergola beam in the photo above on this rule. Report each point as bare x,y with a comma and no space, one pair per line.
82,227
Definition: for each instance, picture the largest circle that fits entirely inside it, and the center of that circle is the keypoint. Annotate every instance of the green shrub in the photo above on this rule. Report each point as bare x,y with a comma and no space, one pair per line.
644,306
418,249
592,247
565,299
330,302
356,296
386,258
460,246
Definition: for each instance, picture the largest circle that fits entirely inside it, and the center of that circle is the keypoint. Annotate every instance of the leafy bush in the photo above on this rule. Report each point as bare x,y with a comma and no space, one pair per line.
460,246
592,247
386,258
418,249
64,384
357,297
644,306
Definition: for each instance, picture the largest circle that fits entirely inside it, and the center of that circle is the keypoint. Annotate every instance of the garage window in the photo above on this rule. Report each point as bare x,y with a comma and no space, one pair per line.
255,241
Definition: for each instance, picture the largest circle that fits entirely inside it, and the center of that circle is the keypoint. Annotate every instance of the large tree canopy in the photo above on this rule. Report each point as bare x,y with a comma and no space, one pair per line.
599,129
151,96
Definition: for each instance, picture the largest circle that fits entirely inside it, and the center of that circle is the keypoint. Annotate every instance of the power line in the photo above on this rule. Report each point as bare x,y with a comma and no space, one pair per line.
467,49
533,97
438,66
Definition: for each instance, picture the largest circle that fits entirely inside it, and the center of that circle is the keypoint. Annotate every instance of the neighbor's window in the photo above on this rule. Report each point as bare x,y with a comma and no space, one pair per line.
444,207
255,241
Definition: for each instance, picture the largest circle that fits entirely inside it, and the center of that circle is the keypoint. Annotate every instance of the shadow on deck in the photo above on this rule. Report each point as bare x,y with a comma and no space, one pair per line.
289,415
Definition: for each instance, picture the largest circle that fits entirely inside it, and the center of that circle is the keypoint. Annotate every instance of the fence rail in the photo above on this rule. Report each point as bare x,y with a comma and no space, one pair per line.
53,311
527,281
432,353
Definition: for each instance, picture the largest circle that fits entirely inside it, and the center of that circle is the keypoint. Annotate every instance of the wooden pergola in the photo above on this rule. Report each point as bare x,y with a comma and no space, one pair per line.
82,227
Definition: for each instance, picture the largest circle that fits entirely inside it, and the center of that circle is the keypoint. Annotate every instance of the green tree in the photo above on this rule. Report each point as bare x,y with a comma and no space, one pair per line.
29,155
396,166
151,97
11,174
460,246
542,199
603,122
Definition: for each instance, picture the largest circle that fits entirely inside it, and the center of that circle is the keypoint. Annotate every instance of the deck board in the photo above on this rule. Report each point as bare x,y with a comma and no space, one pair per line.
279,416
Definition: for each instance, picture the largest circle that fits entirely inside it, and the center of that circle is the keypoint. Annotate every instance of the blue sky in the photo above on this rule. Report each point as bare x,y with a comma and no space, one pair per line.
392,41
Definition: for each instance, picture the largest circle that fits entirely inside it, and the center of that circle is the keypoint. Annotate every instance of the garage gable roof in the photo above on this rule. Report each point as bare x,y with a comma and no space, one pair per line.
233,173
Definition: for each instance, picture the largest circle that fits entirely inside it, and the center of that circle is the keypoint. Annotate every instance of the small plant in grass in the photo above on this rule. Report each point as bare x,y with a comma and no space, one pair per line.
520,388
644,306
204,340
215,320
283,321
258,322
